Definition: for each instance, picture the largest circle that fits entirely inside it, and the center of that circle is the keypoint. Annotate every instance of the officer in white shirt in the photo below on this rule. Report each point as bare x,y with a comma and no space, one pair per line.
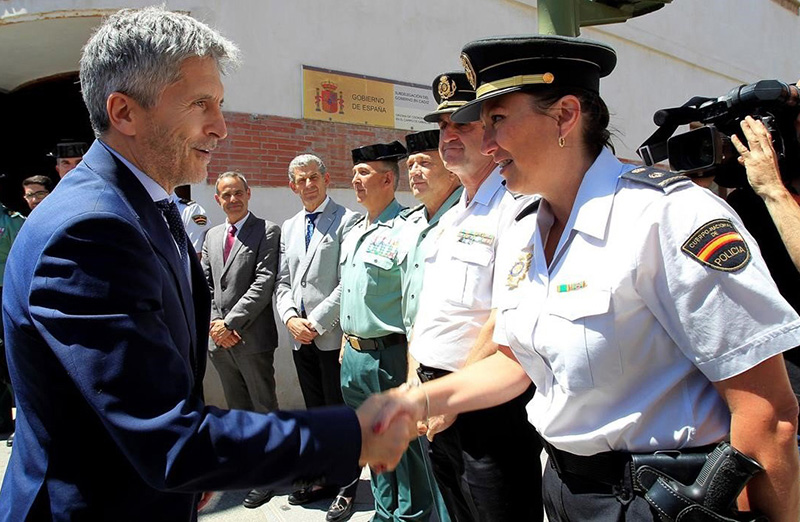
646,316
194,216
487,463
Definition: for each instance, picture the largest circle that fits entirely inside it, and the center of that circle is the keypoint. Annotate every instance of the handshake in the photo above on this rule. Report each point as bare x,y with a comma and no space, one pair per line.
388,423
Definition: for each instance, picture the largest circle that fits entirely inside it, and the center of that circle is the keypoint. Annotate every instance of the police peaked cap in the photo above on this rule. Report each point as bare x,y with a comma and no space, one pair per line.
422,141
69,149
501,65
379,152
451,91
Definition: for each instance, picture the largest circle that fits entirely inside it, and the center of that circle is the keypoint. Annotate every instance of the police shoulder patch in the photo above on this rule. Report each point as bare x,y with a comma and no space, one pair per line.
200,219
718,245
654,177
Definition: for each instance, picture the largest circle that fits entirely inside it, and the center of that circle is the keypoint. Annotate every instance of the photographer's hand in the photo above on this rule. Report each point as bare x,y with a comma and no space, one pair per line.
759,159
761,164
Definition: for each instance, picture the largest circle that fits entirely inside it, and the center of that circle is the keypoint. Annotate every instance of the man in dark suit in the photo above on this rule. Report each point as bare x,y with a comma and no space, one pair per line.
106,311
307,296
240,261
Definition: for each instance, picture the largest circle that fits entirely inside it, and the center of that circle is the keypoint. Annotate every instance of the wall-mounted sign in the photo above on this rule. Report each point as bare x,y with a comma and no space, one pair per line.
351,98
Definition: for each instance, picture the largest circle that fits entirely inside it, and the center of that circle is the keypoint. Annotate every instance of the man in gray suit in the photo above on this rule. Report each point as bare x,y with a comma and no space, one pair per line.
307,296
240,262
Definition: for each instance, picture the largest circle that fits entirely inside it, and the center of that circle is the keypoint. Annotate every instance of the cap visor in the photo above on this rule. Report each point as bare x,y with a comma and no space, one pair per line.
435,116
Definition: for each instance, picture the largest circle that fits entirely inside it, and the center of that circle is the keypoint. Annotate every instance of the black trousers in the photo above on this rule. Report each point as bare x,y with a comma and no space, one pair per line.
318,373
488,467
575,499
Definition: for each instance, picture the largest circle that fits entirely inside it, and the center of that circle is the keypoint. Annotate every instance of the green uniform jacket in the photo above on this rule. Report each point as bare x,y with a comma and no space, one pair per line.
371,289
10,223
417,236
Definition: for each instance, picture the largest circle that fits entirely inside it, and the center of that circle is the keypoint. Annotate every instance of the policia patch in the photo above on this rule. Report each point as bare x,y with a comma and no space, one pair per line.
718,245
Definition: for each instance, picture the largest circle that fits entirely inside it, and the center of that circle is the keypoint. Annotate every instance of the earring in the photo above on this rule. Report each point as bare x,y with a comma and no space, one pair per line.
561,141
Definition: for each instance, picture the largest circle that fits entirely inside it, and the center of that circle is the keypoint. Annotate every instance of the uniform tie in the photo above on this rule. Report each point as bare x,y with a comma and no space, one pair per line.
176,227
310,218
228,243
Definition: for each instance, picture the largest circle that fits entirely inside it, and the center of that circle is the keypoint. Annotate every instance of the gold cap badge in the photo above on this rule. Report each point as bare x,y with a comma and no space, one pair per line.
469,70
447,87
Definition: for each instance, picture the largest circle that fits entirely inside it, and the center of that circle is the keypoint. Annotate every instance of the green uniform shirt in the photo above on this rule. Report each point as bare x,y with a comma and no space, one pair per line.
417,237
370,277
10,223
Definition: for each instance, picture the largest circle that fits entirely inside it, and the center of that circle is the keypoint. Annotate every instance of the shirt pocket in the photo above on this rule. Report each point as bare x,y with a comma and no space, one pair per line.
581,345
467,274
377,268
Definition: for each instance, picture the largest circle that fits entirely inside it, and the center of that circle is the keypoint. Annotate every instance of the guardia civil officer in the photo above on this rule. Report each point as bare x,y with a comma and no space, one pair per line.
374,348
646,317
438,189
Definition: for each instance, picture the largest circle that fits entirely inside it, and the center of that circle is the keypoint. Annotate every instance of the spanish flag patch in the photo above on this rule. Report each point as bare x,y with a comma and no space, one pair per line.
200,219
718,245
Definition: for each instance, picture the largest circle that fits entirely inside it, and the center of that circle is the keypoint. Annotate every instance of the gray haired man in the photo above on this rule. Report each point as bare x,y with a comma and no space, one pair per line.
307,296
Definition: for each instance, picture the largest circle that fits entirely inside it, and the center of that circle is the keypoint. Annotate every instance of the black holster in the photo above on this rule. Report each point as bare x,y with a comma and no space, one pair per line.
695,487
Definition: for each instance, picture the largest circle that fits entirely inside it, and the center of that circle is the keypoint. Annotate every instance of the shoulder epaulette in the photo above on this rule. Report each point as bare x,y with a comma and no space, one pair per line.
186,201
654,177
408,211
528,210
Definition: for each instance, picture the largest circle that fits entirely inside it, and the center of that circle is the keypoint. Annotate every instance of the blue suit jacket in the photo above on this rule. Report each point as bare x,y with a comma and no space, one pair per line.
106,344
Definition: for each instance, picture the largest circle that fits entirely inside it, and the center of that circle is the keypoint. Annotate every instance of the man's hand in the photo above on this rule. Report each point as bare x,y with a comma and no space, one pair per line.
301,329
759,158
222,336
438,424
382,449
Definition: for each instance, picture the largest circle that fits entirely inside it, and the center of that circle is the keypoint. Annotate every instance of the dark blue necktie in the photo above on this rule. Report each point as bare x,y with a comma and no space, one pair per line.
176,228
310,218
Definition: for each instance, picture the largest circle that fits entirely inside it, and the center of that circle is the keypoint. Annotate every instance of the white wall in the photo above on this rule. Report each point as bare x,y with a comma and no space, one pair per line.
687,48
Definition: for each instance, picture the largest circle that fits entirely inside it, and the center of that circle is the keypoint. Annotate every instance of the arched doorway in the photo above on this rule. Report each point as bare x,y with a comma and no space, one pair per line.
38,116
40,100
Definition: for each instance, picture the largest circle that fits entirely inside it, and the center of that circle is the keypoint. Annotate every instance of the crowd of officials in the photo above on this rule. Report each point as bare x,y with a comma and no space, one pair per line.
542,295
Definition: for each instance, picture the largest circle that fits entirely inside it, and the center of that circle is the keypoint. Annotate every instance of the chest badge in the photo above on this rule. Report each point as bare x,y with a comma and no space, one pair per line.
570,287
718,245
519,270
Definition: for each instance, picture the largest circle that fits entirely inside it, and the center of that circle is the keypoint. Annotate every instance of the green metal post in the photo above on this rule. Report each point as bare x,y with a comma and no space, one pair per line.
559,17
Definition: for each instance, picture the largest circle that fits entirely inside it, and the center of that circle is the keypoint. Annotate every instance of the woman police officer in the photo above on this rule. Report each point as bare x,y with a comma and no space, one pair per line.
636,302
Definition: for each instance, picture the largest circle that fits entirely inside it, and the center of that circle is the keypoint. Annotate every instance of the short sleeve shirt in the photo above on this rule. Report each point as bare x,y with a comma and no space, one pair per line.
626,330
456,297
195,220
370,277
419,233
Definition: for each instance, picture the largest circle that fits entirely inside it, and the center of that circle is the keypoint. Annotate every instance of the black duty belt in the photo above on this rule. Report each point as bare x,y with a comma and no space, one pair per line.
378,343
427,373
615,468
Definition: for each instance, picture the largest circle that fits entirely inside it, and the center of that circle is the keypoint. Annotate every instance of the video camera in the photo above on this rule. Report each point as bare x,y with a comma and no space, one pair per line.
707,150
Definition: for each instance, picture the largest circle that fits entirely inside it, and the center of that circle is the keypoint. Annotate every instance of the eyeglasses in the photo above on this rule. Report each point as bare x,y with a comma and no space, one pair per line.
36,195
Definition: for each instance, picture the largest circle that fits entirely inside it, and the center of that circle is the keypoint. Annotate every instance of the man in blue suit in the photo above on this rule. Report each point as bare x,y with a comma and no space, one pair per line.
106,311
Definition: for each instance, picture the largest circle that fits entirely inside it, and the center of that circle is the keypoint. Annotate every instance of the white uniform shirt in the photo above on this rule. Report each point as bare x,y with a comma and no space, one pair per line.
456,298
625,332
195,221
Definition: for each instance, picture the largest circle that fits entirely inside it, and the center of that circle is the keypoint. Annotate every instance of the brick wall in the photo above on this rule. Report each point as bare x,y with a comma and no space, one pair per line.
261,147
